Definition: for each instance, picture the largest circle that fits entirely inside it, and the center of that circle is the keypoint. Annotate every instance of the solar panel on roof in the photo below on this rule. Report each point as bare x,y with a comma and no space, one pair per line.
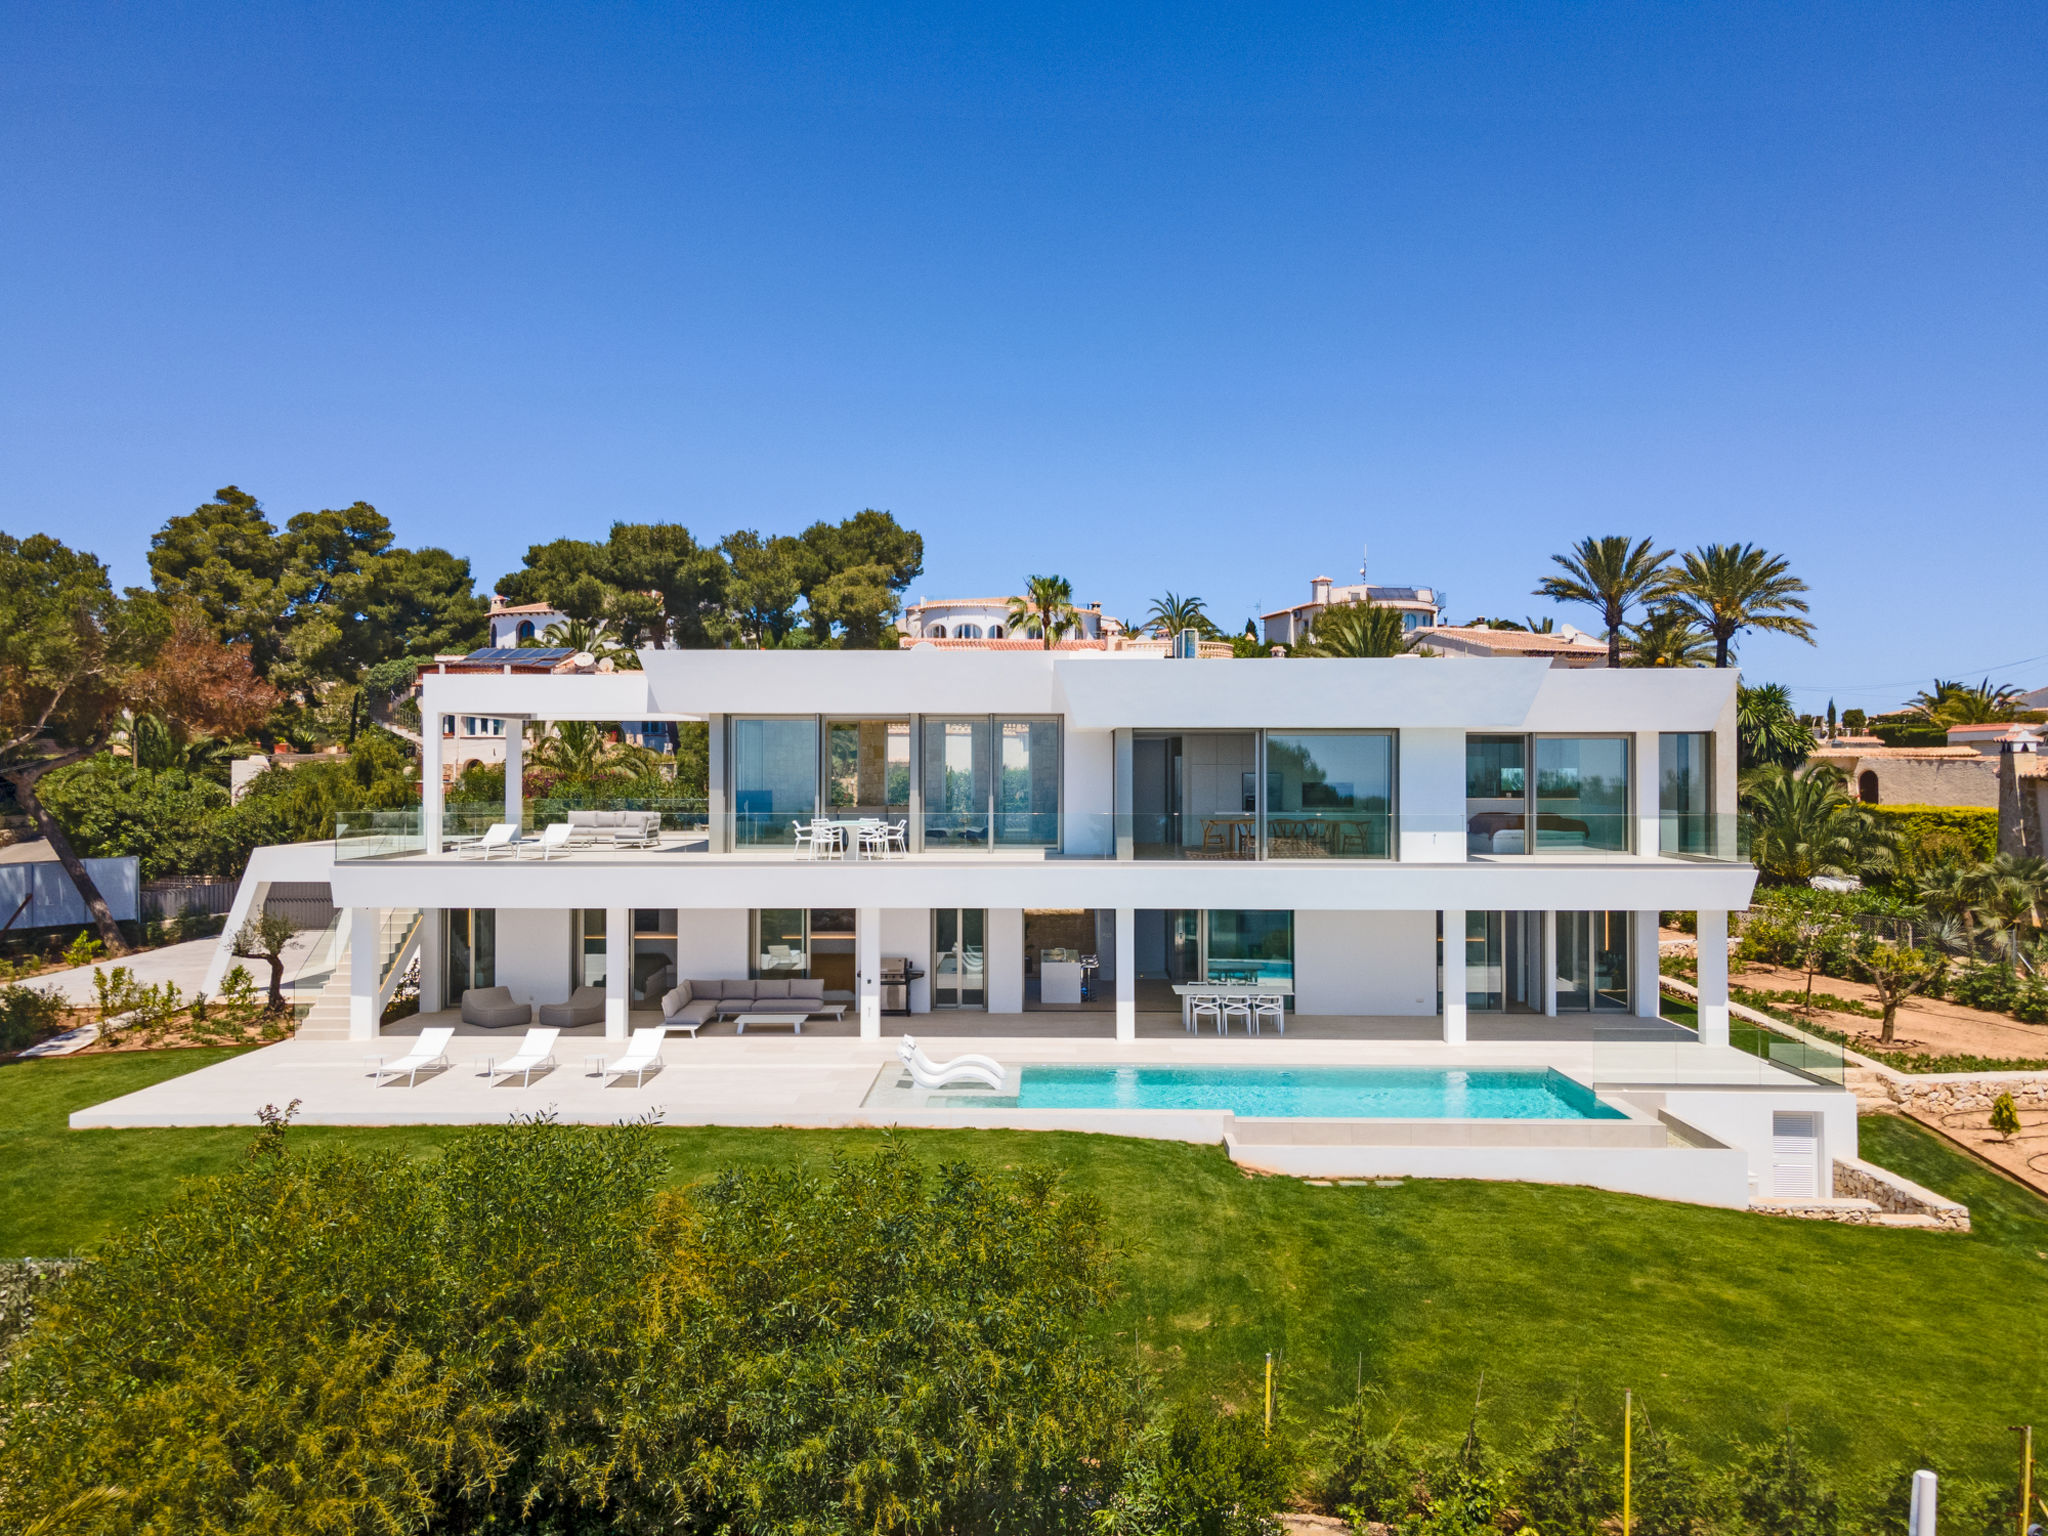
527,653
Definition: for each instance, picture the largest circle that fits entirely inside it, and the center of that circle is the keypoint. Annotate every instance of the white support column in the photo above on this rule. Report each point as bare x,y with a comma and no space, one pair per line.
1454,977
867,955
618,970
1126,973
1649,988
1713,973
718,797
362,974
515,771
1125,825
1550,964
433,950
1645,775
433,794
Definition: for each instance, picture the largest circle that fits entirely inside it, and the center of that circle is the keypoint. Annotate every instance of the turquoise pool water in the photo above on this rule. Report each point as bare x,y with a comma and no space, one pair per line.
1376,1093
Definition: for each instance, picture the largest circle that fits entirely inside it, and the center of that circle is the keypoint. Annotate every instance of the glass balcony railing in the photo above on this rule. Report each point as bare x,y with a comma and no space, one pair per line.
1721,839
688,826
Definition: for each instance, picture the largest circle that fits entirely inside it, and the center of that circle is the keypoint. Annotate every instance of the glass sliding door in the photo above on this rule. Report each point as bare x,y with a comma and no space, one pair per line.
1685,792
1027,809
957,783
1581,794
1485,970
588,961
1592,962
781,943
470,956
1249,947
867,769
774,779
959,966
1329,795
1496,794
654,952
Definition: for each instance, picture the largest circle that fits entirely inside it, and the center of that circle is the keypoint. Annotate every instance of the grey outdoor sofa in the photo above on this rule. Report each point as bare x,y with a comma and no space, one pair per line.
697,1002
614,829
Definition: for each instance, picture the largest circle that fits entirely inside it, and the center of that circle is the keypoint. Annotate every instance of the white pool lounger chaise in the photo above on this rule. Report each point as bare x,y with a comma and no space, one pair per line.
926,1073
429,1052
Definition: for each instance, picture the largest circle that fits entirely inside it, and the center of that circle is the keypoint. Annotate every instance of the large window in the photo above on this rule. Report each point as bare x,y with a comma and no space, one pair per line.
1685,792
1576,798
818,943
868,768
1485,961
470,955
1249,946
774,778
1329,794
587,959
991,781
654,952
1582,793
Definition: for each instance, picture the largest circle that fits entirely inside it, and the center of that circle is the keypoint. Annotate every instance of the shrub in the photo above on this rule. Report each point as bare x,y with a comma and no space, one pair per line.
28,1015
1667,1496
1566,1487
1369,1474
1200,1473
2005,1116
1779,1492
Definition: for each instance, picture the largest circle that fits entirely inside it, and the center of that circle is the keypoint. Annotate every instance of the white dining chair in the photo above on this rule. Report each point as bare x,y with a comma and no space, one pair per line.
827,836
899,840
1204,1005
806,840
1237,1006
1270,1006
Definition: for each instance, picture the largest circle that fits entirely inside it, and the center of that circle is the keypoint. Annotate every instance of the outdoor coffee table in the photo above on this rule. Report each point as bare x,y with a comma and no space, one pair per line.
793,1021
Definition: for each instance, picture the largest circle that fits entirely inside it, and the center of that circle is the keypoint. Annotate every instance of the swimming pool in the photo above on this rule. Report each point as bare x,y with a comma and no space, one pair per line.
1375,1093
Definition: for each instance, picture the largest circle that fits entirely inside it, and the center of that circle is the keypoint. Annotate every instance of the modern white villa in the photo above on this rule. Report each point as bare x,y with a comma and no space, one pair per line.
1351,918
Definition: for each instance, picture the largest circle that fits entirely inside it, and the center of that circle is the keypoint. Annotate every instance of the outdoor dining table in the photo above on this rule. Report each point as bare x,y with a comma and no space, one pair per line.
1187,992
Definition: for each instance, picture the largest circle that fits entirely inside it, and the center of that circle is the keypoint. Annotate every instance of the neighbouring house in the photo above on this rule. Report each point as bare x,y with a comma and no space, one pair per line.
521,623
1567,647
1430,890
983,624
1992,740
1420,607
2038,699
473,740
1963,773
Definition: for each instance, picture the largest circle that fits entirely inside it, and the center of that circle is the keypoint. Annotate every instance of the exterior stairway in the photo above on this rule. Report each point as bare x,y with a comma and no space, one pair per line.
328,1018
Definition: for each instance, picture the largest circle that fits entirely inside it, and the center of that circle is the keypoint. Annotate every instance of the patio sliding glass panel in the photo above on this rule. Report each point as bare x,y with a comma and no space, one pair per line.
654,952
1485,969
470,956
1581,794
1249,947
590,948
959,968
1592,962
957,783
1496,794
867,769
774,779
1685,785
1574,962
1329,795
781,943
1027,810
1195,795
1610,961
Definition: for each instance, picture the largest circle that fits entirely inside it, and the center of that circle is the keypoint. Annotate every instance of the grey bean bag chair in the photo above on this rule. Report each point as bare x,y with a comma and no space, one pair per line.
585,1006
493,1008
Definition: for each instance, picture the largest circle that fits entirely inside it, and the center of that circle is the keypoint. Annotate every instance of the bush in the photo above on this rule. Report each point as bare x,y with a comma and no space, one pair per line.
1369,1474
522,1336
28,1016
1201,1473
1932,834
1780,1494
1566,1486
1668,1496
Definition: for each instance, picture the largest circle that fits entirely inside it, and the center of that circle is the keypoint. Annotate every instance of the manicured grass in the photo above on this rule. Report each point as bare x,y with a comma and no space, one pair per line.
1876,1341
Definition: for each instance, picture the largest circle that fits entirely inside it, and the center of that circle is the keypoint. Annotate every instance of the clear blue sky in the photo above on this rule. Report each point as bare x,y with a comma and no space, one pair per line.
1155,297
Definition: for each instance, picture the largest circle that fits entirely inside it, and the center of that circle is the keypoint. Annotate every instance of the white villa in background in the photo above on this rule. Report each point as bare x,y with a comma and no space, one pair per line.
521,623
1452,865
1420,607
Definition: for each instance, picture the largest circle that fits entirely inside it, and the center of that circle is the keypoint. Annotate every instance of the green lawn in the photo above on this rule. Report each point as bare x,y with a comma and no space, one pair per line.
1877,1341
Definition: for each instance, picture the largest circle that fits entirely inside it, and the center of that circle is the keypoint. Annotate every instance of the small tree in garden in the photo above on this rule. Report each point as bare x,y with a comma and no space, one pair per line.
2005,1117
1898,972
264,937
1779,1491
1566,1487
1818,933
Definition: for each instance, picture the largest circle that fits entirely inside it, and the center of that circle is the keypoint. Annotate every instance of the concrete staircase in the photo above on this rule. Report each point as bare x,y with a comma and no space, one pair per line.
328,1017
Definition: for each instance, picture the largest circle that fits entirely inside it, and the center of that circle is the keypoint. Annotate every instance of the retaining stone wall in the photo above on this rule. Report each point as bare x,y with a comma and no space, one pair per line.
1858,1180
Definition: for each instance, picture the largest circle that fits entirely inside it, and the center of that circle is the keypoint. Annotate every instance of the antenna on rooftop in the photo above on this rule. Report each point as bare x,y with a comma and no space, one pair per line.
1364,551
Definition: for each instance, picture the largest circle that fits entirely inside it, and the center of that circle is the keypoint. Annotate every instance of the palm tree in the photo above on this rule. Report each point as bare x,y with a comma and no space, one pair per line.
1610,574
1805,824
1953,703
1356,630
595,638
585,750
1173,613
1046,608
2013,887
1768,729
1729,588
1667,637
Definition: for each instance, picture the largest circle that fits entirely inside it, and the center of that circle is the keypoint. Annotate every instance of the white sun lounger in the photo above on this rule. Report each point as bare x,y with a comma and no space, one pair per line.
429,1051
501,837
642,1056
927,1073
536,1051
553,839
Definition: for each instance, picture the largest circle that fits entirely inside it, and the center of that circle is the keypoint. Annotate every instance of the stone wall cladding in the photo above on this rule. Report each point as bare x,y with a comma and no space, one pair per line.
1956,1092
1858,1180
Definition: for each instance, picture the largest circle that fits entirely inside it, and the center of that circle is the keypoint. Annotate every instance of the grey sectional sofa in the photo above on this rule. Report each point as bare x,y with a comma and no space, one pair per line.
697,1002
614,829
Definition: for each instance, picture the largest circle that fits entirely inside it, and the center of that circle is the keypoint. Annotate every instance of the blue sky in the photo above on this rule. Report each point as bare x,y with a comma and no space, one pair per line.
1185,297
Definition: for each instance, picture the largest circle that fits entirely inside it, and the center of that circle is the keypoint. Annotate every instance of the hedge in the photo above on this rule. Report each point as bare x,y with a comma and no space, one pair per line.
1976,825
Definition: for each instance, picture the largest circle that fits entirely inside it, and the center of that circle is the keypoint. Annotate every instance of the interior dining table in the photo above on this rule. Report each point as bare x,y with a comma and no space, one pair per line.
1188,991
